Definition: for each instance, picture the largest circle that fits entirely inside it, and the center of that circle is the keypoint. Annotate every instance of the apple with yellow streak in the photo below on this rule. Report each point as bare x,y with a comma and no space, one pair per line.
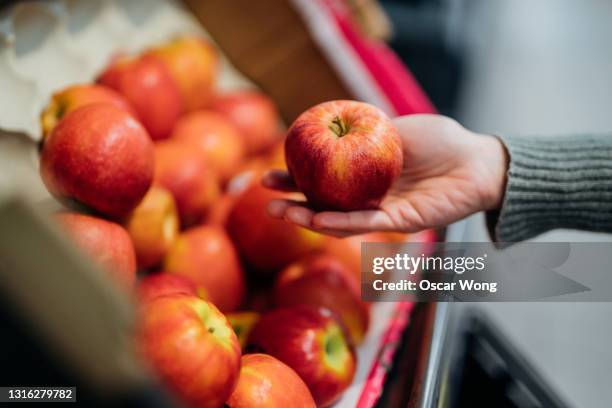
343,155
153,226
191,346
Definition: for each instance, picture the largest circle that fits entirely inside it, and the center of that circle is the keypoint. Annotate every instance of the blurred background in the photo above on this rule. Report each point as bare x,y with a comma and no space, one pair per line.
525,67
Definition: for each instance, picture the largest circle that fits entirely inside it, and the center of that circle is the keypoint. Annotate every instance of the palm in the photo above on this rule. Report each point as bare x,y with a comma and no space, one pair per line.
448,174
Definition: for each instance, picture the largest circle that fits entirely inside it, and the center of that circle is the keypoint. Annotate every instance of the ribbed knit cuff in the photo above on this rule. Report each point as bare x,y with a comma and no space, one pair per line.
555,183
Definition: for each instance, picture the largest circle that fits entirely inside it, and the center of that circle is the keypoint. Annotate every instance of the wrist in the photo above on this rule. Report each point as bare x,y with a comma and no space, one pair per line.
494,161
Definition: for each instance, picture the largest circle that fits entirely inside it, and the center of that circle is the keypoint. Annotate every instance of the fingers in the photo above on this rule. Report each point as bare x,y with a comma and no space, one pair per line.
278,180
329,222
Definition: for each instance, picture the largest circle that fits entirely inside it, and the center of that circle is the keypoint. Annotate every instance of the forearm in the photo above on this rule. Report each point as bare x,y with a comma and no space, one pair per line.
555,183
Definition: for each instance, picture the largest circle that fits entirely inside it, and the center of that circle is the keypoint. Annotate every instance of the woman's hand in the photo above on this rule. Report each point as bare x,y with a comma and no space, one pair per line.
449,173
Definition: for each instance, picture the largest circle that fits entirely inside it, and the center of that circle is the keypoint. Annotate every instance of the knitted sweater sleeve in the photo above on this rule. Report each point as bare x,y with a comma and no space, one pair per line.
554,183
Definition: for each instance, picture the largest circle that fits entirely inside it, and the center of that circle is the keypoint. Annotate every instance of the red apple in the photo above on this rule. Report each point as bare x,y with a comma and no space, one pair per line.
191,346
105,242
153,226
242,323
182,170
68,99
343,155
207,256
193,63
164,284
216,137
322,280
101,156
255,116
311,341
267,382
267,244
218,213
148,85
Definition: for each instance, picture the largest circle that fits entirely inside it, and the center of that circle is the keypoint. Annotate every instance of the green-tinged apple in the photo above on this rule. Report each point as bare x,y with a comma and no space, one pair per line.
191,347
343,155
75,96
266,382
153,226
193,63
243,323
207,256
147,84
164,284
182,171
322,280
255,116
267,244
105,242
100,156
216,137
311,341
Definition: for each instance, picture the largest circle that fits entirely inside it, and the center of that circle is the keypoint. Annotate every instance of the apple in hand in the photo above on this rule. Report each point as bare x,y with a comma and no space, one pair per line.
100,156
322,280
182,171
267,382
242,323
207,256
164,284
267,244
105,242
153,226
192,348
193,63
215,137
343,155
254,115
75,96
147,84
311,341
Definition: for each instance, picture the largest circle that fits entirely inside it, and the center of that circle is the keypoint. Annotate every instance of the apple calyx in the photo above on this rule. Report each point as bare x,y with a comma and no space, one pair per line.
339,126
211,323
336,350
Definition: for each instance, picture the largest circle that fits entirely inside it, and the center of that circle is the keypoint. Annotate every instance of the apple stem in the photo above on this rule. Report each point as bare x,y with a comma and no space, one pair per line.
339,127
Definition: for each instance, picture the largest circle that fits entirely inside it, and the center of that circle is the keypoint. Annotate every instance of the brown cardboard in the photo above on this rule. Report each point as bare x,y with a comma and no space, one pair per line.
269,43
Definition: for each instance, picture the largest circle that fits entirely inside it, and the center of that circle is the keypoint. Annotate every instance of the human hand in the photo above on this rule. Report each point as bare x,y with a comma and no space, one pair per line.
449,173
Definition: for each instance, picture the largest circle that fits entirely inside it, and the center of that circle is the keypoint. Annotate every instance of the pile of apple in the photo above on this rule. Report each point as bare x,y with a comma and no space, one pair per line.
234,307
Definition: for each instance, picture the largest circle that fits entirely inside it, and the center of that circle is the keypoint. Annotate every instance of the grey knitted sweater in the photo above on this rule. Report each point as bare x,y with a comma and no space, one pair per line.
555,183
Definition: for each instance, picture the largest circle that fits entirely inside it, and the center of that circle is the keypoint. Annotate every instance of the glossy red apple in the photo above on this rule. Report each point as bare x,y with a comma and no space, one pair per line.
147,84
182,171
191,346
266,382
193,62
243,323
153,226
322,280
75,96
343,155
215,137
310,341
207,256
164,284
100,156
255,116
267,244
105,242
